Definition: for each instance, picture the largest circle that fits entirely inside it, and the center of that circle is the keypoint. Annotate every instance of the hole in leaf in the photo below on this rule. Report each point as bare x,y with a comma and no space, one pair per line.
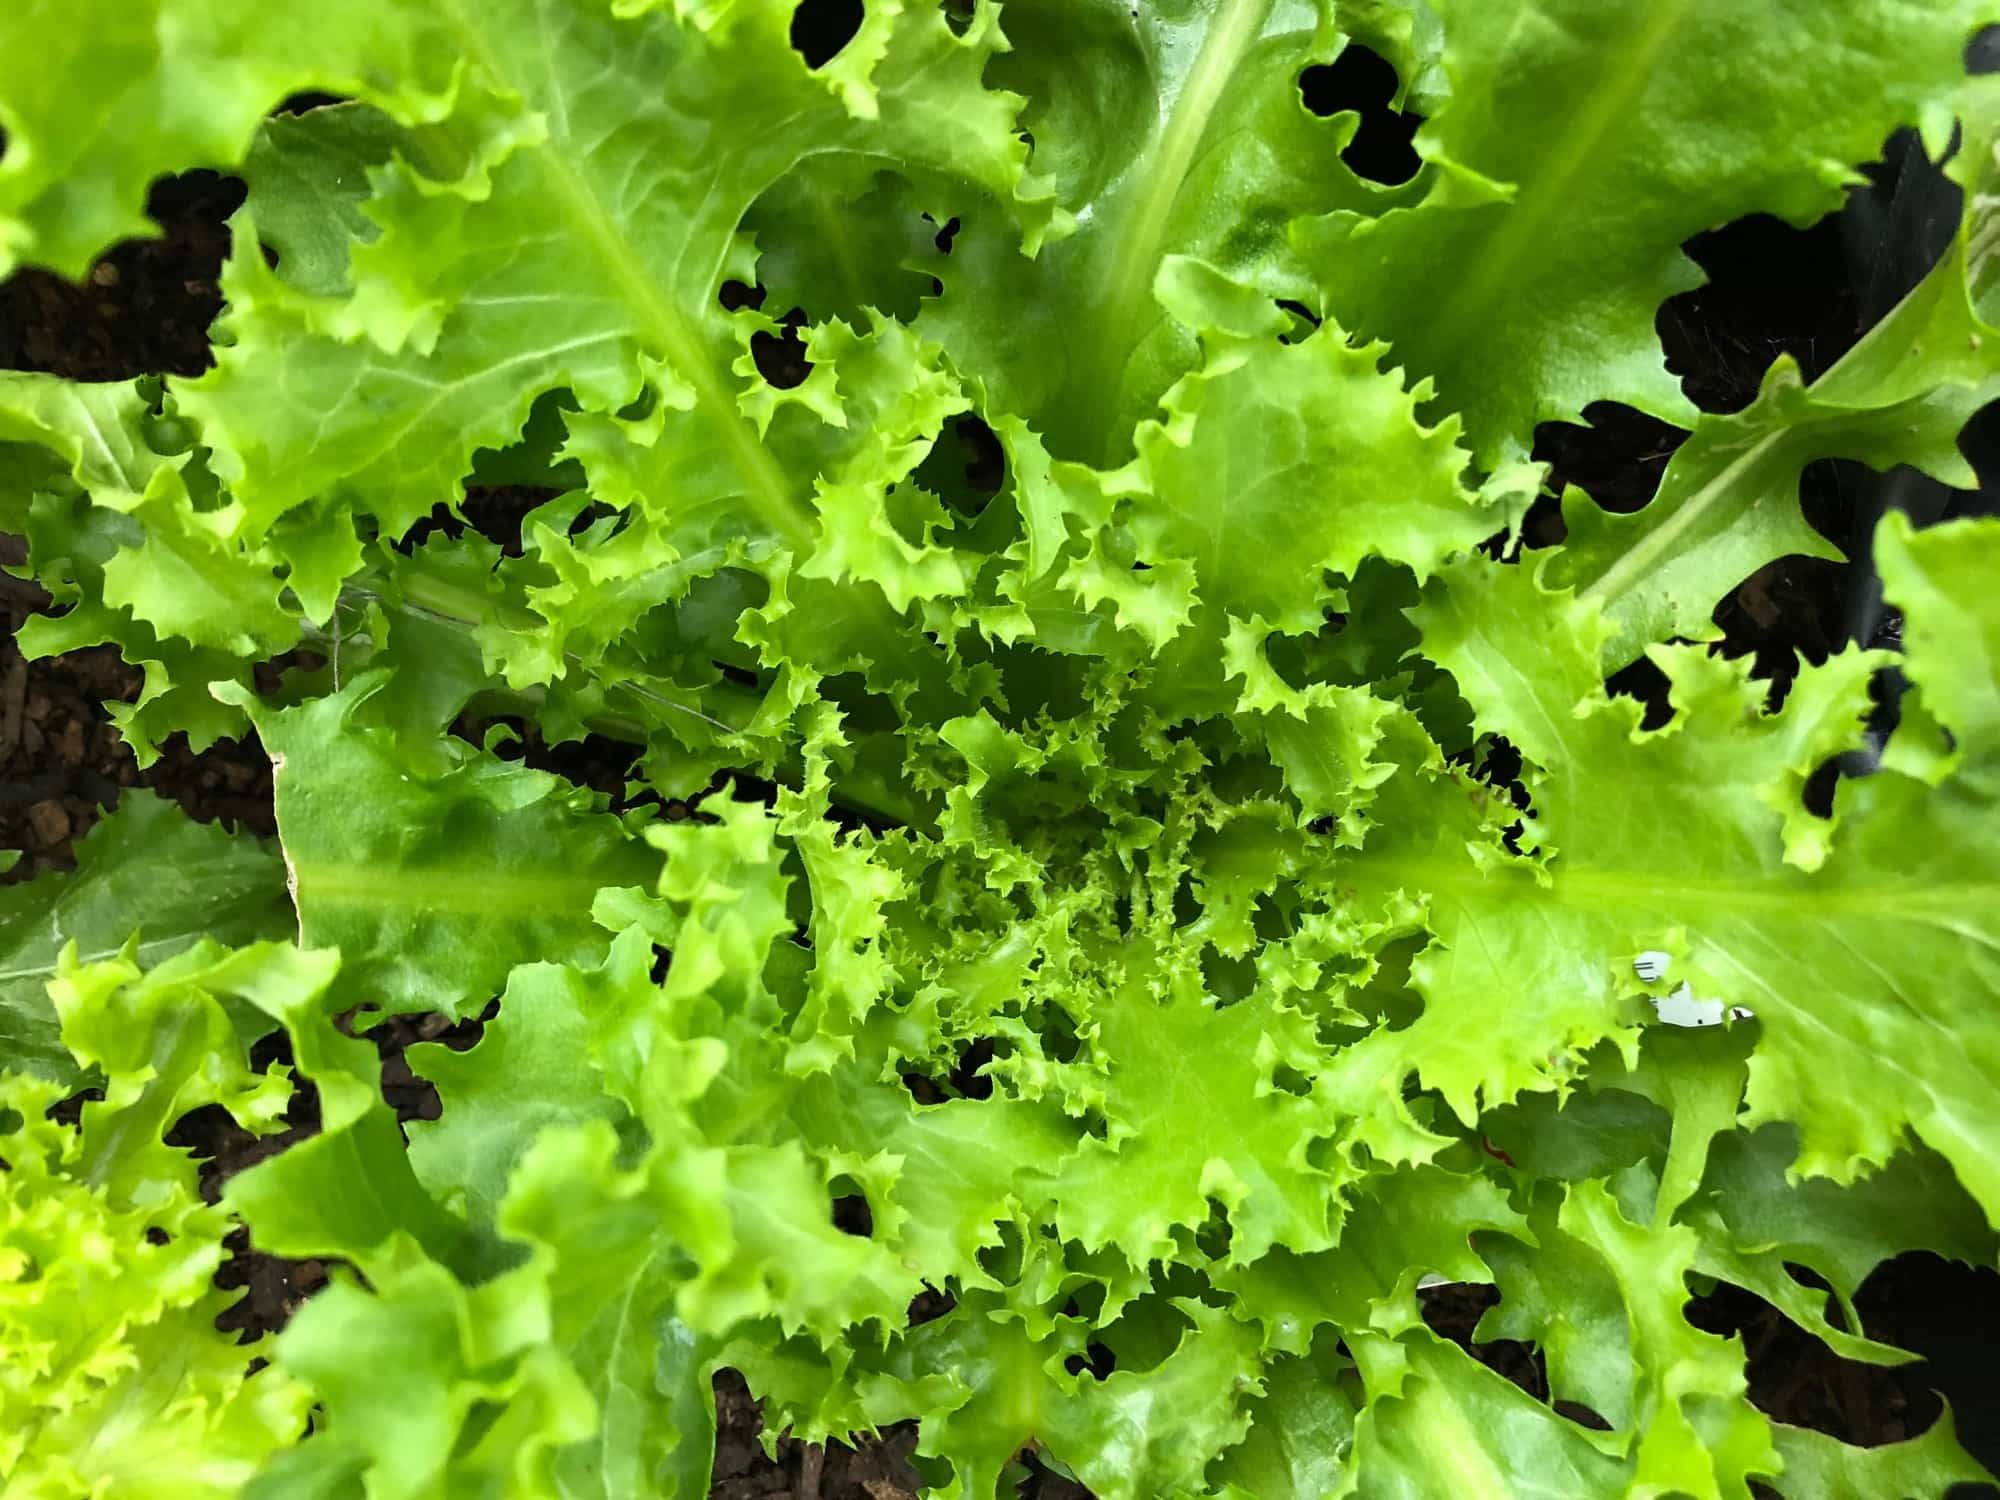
1058,1032
1771,290
1096,1361
1644,681
1086,1302
1616,455
1290,1080
305,103
1302,322
820,28
985,458
595,762
275,1289
968,1075
851,1213
1228,979
404,1090
157,1236
1582,1415
1788,609
945,236
734,294
440,522
966,467
958,15
1982,55
70,1111
923,1088
1453,1312
496,511
966,1080
1948,1312
145,305
586,518
1364,81
781,358
1214,1235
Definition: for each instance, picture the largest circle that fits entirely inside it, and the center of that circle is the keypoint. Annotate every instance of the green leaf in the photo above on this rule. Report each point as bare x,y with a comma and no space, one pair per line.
1438,1423
1153,1432
1939,578
1932,1464
229,888
102,434
427,1389
1165,130
1176,1056
1301,1436
1259,417
201,76
1728,502
348,1191
570,108
1825,949
1070,906
433,885
1581,143
1695,1432
1421,1223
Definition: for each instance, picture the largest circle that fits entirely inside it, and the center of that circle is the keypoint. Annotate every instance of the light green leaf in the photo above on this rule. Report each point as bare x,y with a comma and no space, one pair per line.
201,76
116,1379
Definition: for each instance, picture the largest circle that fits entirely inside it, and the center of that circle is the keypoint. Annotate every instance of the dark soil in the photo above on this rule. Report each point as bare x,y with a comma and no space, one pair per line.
146,308
63,764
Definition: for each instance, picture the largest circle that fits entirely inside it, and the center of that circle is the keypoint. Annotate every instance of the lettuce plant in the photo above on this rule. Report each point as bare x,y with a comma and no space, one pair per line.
1048,530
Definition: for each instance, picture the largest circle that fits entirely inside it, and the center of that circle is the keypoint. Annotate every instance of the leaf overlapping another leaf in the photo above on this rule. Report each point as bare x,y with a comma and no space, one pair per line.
1079,868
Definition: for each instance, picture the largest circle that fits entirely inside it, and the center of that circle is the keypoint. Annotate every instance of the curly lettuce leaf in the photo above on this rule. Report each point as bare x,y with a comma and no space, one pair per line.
116,1379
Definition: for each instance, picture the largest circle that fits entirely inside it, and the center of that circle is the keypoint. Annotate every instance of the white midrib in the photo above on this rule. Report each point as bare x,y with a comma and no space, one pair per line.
1126,287
471,887
767,489
623,1327
156,945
